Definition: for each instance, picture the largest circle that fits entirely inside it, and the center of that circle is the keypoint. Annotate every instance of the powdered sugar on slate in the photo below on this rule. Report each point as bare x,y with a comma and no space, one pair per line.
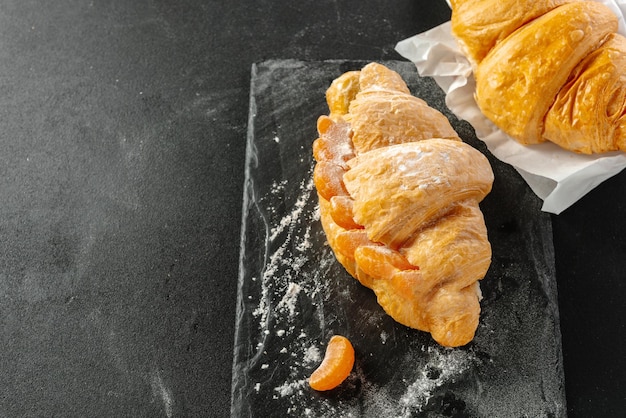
294,295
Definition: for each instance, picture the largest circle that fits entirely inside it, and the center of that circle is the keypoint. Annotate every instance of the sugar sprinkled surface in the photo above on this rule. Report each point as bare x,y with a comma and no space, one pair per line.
441,369
294,295
286,287
283,287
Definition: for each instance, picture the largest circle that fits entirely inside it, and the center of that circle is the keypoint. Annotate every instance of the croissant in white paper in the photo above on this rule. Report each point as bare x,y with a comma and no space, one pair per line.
547,70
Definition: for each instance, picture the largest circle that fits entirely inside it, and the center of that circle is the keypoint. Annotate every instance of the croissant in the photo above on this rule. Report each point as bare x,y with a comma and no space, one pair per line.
547,70
399,197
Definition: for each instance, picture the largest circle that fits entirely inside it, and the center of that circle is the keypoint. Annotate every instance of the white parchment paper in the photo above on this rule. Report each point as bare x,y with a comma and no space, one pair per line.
558,177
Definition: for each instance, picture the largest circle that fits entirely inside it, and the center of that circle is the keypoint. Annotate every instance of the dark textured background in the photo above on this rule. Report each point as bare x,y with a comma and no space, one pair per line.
123,139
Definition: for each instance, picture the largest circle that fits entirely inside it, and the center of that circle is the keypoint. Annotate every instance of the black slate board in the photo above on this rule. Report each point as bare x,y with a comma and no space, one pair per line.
293,295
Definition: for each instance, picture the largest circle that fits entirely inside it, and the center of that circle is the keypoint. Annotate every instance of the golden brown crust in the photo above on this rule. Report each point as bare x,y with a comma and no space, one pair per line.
599,124
479,25
547,70
398,189
518,80
380,118
405,220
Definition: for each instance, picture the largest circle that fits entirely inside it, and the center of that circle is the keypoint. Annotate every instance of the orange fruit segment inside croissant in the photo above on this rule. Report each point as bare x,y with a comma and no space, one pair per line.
399,196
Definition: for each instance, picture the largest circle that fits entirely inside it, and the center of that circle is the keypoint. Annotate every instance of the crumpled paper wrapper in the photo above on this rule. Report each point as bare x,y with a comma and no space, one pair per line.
559,177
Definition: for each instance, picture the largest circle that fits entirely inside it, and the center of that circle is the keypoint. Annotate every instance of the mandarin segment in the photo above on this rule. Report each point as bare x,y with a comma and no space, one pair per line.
334,143
324,123
348,241
341,212
336,365
328,179
381,261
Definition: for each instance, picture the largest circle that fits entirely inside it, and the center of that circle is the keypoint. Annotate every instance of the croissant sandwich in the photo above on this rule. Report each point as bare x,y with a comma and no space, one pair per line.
399,197
547,70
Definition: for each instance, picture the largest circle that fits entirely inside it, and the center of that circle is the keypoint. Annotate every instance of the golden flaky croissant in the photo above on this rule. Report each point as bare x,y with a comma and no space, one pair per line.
399,194
547,70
